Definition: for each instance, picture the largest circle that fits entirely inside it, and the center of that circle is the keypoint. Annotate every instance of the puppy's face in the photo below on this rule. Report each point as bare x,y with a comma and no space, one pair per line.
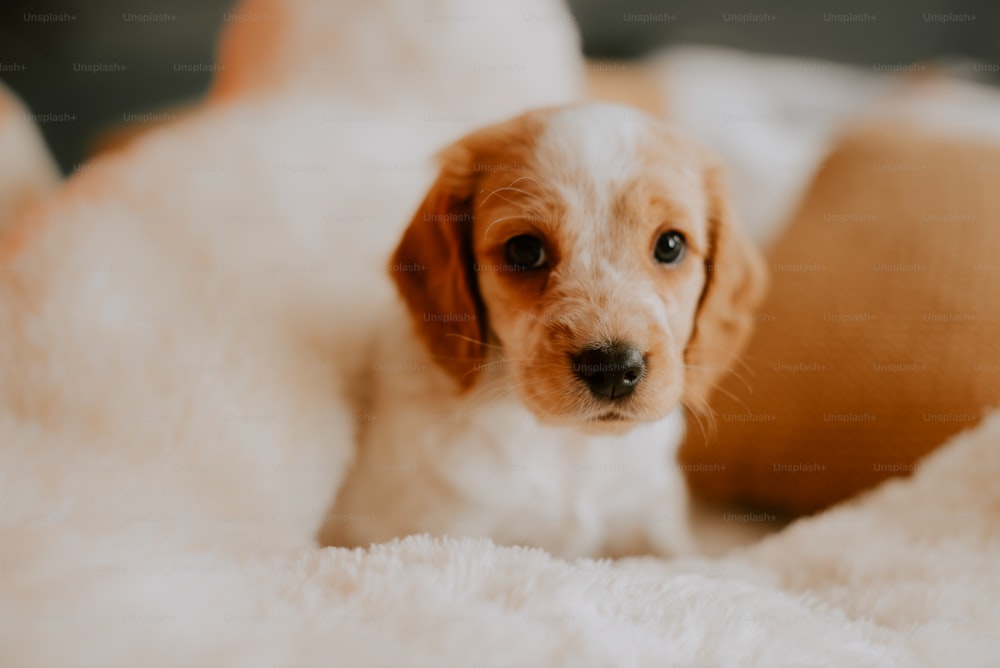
570,253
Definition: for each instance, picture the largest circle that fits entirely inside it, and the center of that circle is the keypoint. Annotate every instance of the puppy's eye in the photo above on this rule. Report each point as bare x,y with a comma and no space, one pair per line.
525,252
669,247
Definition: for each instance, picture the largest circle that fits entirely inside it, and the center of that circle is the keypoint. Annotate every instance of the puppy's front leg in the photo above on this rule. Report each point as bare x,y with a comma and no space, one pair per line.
661,528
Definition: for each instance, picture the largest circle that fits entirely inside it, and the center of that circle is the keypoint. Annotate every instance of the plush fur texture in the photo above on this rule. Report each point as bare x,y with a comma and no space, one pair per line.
904,577
487,429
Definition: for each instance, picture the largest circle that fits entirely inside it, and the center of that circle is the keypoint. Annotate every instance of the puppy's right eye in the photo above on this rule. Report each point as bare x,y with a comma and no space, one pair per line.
669,247
525,252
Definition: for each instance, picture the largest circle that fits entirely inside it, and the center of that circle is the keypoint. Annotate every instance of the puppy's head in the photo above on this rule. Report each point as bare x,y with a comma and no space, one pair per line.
586,256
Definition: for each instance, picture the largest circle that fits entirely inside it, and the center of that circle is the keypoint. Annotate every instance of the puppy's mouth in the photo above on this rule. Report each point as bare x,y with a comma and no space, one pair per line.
609,422
606,421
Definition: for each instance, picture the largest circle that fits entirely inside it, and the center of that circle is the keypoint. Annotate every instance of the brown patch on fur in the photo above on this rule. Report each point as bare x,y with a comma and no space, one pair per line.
433,266
736,279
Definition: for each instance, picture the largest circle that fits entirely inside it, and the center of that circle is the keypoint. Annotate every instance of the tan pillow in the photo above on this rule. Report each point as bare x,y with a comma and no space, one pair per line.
881,333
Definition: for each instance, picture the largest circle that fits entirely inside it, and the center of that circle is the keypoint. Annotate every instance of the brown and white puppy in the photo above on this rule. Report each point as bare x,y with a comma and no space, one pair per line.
573,278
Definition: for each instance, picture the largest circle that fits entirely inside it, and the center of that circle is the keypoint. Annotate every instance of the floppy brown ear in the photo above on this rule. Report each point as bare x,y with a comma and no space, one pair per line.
433,268
735,282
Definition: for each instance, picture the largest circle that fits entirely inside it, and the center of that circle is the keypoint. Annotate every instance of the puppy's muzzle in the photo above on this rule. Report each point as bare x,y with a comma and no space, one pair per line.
610,372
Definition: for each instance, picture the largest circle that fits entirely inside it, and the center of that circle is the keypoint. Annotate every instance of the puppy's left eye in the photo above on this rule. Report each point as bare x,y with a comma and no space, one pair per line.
525,252
670,247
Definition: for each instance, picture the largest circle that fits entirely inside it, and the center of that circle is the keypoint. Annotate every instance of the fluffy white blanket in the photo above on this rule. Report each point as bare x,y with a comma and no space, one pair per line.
904,577
177,309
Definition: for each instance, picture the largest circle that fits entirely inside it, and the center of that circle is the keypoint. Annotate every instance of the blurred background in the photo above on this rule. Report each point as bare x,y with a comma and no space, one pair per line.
85,68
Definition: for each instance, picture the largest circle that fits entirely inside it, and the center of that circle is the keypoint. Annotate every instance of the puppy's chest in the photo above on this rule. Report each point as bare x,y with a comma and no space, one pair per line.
537,466
479,464
520,482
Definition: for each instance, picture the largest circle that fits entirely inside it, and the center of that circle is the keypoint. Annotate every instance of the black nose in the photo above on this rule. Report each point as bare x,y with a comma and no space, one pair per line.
611,372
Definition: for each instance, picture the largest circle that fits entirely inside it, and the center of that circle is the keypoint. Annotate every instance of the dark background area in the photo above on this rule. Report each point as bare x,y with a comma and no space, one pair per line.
89,65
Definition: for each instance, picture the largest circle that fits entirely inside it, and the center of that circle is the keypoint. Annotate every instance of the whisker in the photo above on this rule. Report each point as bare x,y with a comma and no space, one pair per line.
700,411
706,425
486,232
495,346
528,178
695,415
530,196
716,387
506,388
741,360
722,371
732,396
544,187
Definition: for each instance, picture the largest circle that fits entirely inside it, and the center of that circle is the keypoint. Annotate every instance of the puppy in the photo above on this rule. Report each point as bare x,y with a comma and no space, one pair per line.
572,280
